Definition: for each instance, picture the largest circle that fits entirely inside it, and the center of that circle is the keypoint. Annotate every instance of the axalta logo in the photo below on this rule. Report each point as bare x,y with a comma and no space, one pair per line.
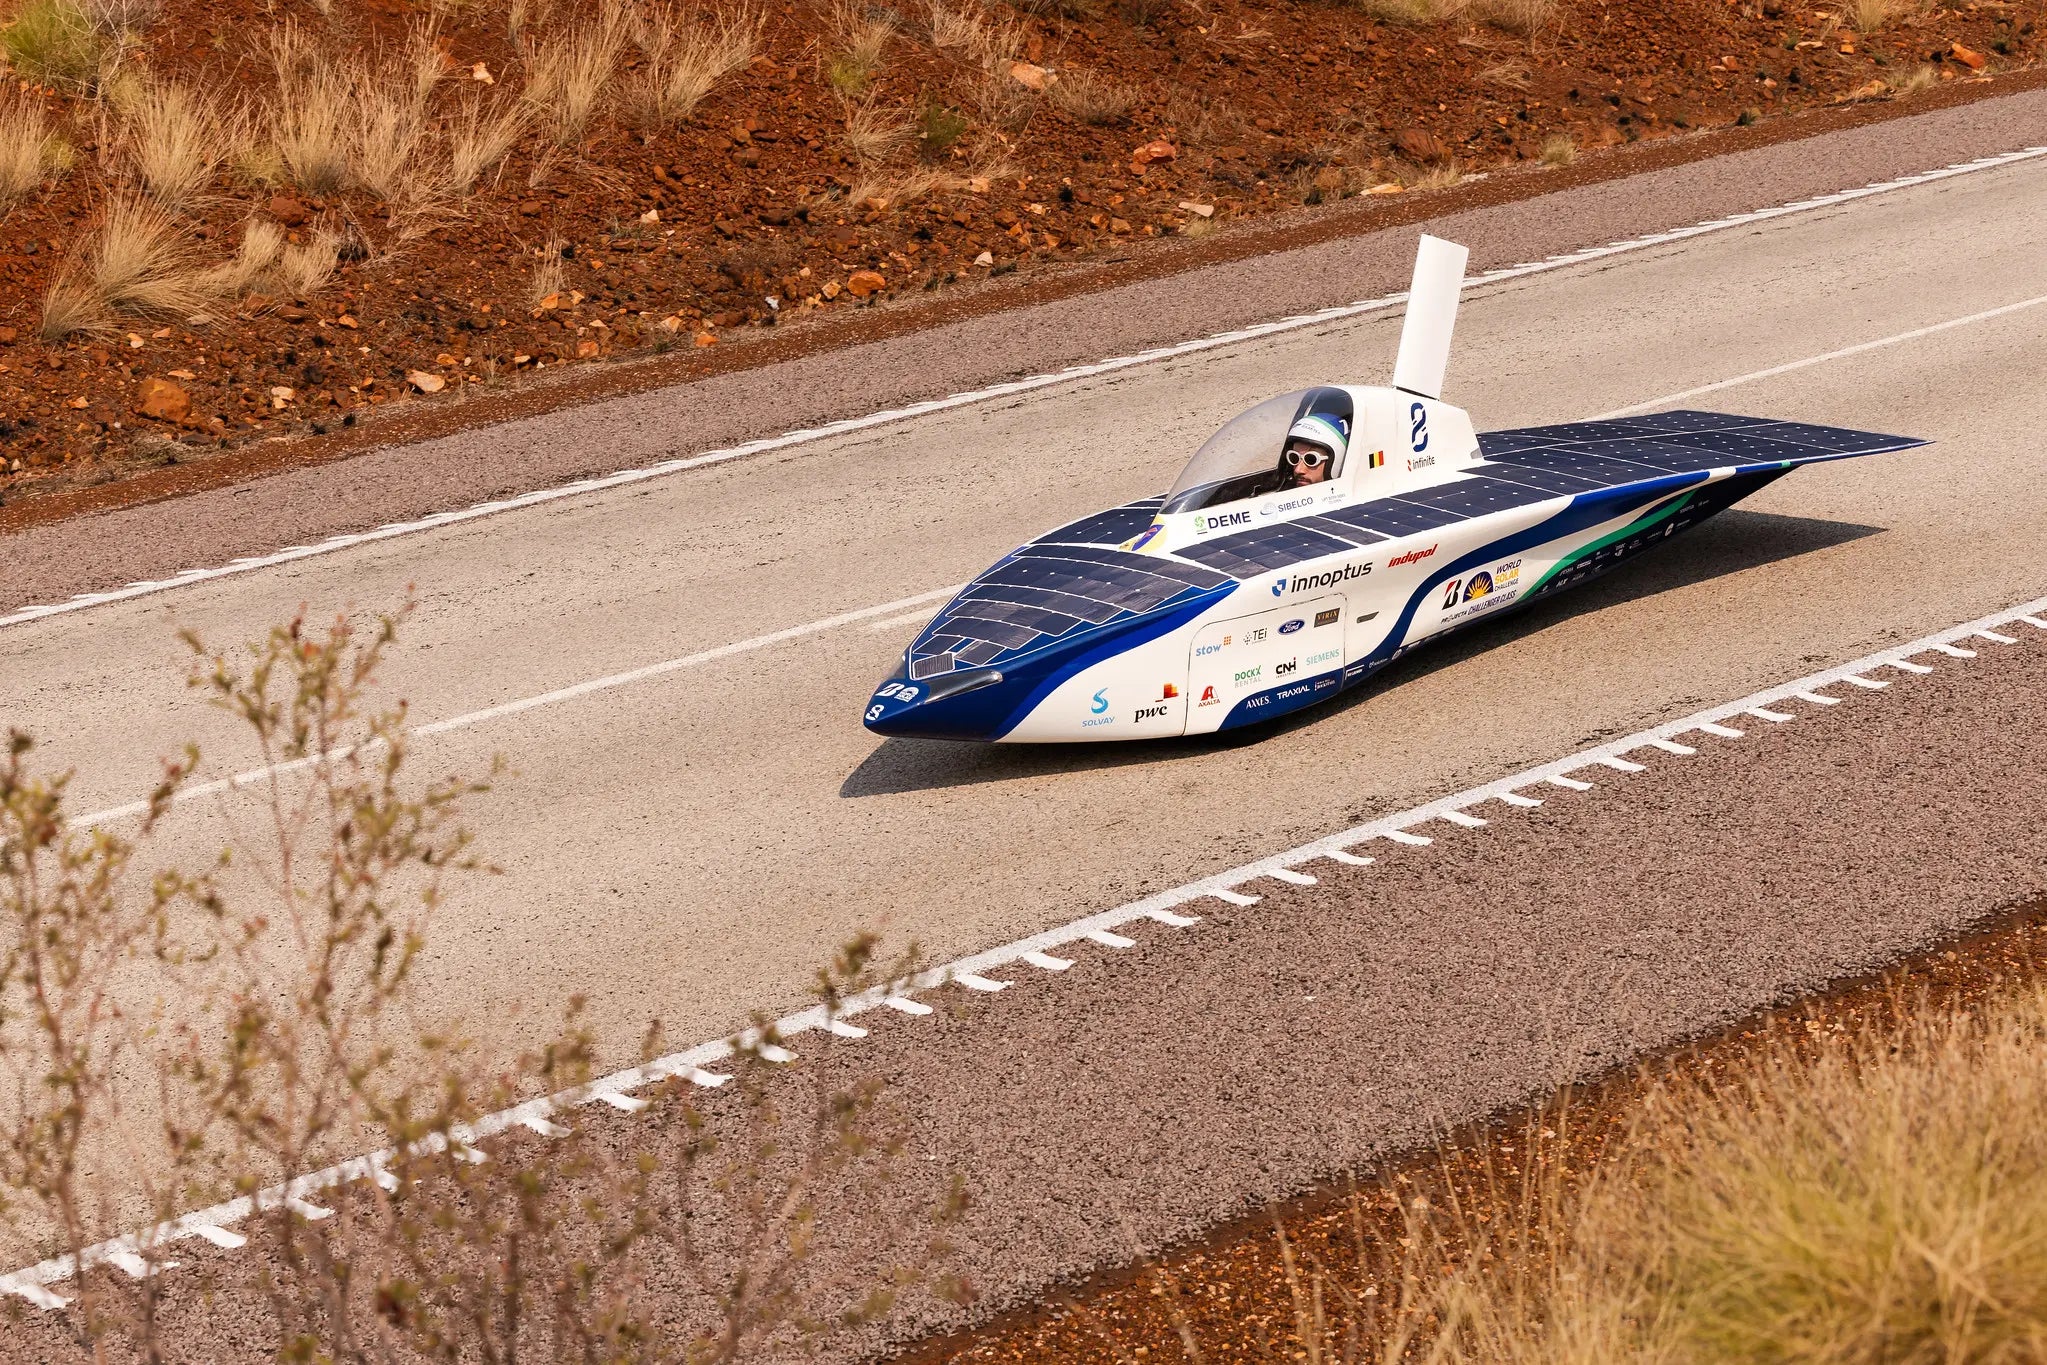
1245,675
1310,582
1208,697
1220,521
1411,557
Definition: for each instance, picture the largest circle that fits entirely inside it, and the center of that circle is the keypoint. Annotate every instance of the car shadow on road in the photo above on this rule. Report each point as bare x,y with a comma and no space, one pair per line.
1730,543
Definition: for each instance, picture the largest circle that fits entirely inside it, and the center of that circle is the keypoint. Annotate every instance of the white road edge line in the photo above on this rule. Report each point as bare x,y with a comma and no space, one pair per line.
31,1282
1070,374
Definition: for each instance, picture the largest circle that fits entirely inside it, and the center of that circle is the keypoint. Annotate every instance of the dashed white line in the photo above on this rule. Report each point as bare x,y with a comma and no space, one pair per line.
1723,731
31,1283
1073,373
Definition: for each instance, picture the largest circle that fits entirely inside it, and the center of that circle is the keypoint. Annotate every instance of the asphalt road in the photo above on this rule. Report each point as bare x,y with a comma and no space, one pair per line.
692,845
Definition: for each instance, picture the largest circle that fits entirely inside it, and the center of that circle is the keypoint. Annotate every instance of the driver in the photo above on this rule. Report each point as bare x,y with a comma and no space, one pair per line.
1313,446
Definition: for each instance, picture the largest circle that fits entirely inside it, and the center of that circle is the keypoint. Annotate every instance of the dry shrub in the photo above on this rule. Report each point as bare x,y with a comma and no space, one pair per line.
176,138
262,242
137,260
1559,150
1522,17
1000,103
981,38
480,136
884,192
550,277
952,28
876,132
569,70
1868,16
685,60
1091,99
310,120
28,149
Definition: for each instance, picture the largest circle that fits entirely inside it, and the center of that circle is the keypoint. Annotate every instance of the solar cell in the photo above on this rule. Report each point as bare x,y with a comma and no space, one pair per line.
978,653
932,667
1357,535
1837,440
980,628
1265,547
1394,517
1690,419
1554,482
1476,497
1184,575
1747,445
1017,613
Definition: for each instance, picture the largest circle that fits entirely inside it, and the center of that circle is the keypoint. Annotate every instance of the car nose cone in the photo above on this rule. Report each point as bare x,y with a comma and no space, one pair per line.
969,704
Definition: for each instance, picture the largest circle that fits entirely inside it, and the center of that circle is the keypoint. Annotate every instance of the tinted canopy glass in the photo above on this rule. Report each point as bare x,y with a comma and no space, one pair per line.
1242,460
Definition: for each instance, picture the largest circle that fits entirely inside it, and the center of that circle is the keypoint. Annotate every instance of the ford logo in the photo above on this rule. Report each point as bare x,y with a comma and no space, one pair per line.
1291,626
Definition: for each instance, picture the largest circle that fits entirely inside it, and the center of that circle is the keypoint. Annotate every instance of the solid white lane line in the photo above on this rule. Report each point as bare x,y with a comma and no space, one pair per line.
914,618
31,1281
1071,374
1817,699
1896,338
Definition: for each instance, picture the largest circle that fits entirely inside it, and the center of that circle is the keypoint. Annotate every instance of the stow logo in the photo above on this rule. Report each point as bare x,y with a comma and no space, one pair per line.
1411,557
1418,430
1481,585
1450,593
1251,674
1150,534
1290,666
1101,702
1203,651
1223,520
1208,697
1376,460
1328,618
1330,578
1324,657
1291,626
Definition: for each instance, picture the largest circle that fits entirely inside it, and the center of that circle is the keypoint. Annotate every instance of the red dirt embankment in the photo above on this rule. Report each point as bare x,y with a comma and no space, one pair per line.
855,157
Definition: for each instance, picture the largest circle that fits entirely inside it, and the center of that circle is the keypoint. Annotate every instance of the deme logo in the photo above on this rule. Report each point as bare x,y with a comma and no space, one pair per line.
1101,703
1291,626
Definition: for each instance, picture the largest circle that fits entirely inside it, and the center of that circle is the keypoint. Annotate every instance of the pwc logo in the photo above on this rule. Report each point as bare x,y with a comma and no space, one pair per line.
1145,713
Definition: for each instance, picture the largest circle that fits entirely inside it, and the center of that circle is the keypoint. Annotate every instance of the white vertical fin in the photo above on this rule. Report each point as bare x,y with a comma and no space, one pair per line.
1431,314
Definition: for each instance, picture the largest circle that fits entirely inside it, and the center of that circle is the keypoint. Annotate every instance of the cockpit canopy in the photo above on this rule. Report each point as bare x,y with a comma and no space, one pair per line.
1243,459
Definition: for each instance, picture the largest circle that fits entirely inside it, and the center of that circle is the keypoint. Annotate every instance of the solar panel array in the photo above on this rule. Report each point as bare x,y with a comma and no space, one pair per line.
1048,592
1072,580
1535,464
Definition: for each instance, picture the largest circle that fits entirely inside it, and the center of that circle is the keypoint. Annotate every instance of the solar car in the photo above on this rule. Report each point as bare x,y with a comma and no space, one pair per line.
1313,540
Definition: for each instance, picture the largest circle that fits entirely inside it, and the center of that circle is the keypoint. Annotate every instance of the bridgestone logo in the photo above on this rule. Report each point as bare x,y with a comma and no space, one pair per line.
1411,557
1332,578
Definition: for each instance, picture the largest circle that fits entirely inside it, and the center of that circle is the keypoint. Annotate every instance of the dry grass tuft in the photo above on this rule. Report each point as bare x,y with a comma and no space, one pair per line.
177,138
550,277
876,132
1091,99
952,28
480,137
262,242
304,268
1922,77
1559,150
568,71
884,192
685,60
28,150
138,260
1868,16
1522,17
310,119
859,40
57,43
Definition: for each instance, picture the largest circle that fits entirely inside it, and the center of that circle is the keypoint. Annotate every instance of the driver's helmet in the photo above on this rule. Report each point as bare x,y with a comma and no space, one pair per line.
1323,431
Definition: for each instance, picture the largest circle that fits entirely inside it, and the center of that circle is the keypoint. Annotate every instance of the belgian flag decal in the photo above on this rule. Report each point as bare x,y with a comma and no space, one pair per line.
1377,460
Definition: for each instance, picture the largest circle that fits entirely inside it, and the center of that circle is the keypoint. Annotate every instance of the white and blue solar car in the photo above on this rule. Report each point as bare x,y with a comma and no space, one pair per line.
1239,596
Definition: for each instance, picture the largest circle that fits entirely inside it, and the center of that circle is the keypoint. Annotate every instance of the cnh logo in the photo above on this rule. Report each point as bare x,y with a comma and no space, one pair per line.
1281,670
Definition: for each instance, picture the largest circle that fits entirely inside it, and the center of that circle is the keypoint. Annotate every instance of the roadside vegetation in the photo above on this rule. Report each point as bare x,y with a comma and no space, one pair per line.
172,1038
224,220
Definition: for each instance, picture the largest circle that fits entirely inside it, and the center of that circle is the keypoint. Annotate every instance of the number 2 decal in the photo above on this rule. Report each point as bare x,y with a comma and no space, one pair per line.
1418,435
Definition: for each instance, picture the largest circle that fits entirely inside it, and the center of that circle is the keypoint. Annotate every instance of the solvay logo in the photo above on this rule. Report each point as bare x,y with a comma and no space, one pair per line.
1418,432
1101,702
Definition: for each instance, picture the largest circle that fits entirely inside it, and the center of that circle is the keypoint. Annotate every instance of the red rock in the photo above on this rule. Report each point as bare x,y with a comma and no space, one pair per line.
424,382
7,335
861,283
288,211
162,400
1968,57
1156,150
1419,144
